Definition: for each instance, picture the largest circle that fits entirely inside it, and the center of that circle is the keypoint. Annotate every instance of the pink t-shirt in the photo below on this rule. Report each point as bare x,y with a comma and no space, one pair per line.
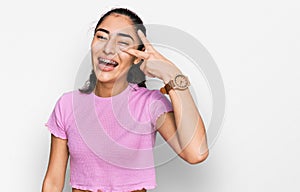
110,139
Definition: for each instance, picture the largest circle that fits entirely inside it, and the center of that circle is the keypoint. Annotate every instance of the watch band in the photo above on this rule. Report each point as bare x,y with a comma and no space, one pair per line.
180,82
166,89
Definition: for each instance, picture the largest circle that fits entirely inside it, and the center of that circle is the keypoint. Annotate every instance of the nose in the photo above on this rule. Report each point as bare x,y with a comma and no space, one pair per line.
110,47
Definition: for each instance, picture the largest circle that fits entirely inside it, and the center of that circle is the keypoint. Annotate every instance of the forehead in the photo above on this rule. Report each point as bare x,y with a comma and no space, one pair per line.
117,23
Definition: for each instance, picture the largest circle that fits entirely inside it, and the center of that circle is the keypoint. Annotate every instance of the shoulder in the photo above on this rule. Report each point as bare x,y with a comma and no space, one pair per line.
66,99
146,95
146,92
68,94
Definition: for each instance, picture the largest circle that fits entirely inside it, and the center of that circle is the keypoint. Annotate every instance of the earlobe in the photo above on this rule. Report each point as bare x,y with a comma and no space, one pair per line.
136,60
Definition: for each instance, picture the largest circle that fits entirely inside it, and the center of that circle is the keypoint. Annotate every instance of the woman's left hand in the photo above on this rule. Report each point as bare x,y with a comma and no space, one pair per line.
154,64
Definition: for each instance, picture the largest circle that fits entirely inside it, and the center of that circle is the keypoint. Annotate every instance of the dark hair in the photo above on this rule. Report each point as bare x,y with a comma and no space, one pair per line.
135,75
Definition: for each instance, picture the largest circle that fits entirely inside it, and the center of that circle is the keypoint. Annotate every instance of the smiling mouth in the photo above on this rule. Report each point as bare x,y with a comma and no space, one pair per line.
107,64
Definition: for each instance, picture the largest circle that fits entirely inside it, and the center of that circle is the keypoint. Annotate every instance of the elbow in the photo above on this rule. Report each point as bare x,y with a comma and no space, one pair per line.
50,186
196,158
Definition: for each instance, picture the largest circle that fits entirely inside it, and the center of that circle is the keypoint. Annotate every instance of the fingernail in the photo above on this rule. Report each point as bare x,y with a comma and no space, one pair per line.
140,31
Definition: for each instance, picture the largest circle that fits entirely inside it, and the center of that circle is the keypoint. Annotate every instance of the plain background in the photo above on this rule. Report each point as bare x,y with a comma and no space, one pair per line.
254,43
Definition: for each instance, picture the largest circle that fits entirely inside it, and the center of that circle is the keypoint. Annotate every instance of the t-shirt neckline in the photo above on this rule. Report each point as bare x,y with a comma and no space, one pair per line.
122,93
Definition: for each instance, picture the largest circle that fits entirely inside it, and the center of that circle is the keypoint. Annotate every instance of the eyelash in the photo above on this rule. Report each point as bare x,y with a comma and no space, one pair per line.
104,38
101,37
124,43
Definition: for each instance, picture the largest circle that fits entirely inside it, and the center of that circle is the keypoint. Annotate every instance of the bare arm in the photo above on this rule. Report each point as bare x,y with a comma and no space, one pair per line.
183,129
55,175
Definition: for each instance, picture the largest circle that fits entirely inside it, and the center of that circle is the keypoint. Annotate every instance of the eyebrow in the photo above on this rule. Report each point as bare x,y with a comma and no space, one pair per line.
103,30
119,34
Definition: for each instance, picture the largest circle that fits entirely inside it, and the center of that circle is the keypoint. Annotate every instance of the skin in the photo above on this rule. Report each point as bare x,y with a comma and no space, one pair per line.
108,45
183,129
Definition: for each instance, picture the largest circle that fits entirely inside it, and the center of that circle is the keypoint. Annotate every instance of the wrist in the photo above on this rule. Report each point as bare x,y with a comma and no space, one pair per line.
169,75
178,82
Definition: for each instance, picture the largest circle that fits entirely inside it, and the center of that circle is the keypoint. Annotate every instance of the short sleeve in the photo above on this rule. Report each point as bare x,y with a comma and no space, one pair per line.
159,104
55,123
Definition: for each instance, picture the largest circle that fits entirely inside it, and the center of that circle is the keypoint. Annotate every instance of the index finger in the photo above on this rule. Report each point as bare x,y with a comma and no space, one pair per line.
136,53
145,41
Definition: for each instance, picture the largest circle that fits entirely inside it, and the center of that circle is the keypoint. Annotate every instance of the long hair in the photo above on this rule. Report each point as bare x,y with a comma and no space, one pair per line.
135,75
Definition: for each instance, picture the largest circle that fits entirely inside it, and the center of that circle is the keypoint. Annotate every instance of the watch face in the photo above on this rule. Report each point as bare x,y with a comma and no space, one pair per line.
181,81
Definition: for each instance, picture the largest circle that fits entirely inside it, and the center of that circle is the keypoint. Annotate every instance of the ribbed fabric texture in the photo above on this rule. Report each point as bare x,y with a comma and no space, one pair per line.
110,139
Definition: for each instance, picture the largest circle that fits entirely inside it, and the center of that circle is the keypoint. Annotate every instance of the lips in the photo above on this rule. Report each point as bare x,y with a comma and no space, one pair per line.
107,64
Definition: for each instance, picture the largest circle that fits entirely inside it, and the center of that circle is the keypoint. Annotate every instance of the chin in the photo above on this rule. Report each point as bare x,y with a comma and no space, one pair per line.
105,78
109,77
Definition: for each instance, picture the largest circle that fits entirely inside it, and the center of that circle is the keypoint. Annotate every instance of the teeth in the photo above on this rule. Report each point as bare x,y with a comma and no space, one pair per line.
108,61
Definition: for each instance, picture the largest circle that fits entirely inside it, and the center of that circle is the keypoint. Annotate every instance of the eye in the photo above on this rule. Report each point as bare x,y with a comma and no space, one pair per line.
123,43
101,37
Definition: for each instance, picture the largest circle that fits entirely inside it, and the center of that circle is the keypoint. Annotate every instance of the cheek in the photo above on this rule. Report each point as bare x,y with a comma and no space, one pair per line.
126,58
96,47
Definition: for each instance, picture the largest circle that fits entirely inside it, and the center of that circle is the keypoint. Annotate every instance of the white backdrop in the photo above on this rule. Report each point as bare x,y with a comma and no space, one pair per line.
255,44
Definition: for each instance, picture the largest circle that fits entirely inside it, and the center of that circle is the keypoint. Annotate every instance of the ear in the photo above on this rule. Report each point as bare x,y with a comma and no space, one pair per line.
138,60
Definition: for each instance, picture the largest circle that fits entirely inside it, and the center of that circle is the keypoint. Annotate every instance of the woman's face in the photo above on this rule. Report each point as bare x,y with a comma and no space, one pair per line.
115,33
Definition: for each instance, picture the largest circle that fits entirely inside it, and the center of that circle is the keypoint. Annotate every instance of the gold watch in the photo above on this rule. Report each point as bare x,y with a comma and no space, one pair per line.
179,82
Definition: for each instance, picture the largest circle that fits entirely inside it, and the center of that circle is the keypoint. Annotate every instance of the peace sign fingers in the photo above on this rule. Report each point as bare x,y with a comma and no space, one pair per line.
149,49
145,41
137,53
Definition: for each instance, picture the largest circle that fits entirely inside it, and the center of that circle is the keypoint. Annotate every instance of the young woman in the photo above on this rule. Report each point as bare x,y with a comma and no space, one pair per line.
108,127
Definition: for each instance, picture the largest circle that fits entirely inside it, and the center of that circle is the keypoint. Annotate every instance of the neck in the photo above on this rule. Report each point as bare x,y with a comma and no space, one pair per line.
109,89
